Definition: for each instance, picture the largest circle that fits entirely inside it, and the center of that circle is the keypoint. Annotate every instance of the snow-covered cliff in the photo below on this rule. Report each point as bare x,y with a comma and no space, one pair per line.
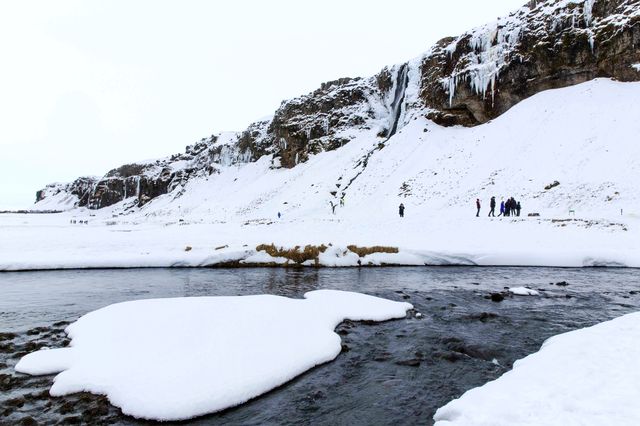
467,80
544,45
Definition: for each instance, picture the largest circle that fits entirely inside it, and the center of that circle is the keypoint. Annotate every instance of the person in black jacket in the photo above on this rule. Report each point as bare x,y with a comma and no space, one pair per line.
492,206
401,210
518,208
478,206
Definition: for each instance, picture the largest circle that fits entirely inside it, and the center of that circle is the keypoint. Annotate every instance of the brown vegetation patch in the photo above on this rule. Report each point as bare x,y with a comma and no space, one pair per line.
363,251
296,254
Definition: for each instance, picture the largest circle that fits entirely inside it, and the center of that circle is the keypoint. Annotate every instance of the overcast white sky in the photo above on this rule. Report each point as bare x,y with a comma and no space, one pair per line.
86,86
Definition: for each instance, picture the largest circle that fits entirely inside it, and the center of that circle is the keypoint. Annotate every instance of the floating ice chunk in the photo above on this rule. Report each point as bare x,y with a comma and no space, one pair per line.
523,291
172,359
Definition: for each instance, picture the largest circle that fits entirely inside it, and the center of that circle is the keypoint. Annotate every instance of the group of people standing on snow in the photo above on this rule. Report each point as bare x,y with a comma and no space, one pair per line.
511,207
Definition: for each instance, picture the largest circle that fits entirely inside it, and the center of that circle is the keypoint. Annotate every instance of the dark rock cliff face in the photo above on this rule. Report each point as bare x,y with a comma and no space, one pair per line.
80,187
310,124
545,45
466,80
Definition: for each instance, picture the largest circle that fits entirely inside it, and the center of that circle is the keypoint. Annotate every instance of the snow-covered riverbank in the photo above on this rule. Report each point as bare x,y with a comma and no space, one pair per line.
50,242
584,377
577,136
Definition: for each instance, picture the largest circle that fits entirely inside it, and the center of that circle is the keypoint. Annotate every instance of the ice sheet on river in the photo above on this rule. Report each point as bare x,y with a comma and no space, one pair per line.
585,377
177,358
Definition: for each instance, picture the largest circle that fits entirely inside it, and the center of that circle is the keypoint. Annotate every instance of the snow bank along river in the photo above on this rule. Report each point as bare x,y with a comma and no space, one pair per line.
400,371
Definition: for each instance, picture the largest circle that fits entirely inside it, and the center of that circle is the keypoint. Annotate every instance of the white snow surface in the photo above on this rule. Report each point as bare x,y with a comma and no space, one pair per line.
177,358
583,136
523,291
587,377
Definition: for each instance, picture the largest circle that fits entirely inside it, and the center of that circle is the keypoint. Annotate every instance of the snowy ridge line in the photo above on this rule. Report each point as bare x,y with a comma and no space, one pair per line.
336,257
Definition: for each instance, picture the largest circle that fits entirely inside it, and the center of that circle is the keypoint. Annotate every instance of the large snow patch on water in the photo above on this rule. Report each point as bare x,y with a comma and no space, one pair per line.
171,359
584,377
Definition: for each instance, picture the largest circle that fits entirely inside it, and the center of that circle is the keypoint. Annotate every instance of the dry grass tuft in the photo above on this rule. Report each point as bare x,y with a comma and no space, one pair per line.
309,252
363,251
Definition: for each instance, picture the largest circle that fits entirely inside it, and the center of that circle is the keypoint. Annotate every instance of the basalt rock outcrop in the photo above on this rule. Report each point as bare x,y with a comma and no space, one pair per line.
300,127
550,44
148,180
466,80
81,188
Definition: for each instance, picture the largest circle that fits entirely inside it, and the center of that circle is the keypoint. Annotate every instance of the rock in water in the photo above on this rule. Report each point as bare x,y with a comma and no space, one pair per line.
497,297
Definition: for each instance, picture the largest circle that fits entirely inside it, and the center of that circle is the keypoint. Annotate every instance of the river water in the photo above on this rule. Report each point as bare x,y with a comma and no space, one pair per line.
397,372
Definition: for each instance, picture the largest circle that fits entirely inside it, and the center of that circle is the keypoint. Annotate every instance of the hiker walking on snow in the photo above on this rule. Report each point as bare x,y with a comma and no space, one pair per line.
492,206
478,206
401,210
501,208
518,208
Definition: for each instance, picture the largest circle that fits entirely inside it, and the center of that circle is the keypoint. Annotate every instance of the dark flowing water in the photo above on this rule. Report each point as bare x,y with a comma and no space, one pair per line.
397,372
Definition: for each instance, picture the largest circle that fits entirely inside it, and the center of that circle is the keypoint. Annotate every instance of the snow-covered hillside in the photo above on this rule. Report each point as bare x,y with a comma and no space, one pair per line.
466,80
582,136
